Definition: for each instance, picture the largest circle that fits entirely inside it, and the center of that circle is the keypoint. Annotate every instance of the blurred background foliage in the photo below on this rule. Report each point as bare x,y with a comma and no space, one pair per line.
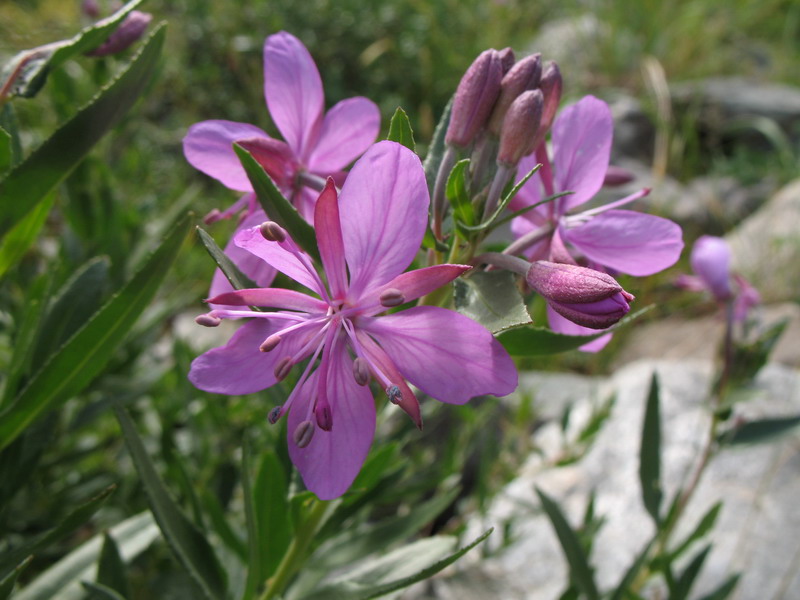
408,53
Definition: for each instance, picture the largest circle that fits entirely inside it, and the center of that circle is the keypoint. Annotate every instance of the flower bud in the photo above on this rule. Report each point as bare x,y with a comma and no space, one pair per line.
522,77
519,128
303,434
584,296
507,59
551,86
475,98
90,8
130,30
711,261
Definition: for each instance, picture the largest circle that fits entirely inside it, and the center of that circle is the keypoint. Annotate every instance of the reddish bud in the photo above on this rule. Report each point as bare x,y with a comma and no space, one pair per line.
584,296
520,127
129,31
522,77
507,59
475,98
551,85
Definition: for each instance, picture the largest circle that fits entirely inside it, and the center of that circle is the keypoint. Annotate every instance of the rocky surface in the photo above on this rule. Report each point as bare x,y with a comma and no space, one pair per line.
756,530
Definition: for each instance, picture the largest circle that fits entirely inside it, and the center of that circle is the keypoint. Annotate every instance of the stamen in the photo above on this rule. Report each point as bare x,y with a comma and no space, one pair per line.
361,371
392,297
274,415
394,394
207,320
323,414
304,433
272,232
270,343
212,217
283,367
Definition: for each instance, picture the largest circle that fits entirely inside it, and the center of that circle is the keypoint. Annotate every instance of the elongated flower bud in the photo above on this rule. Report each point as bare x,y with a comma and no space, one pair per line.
507,59
520,128
711,261
522,77
475,98
551,85
130,30
584,296
90,8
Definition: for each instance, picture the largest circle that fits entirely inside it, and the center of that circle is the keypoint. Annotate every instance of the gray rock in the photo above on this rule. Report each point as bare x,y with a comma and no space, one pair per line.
766,246
634,130
756,530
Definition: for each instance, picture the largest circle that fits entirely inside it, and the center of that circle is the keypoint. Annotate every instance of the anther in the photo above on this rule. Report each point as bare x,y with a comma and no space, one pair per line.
283,367
207,320
303,434
394,394
274,415
272,232
270,343
324,417
212,217
361,371
392,297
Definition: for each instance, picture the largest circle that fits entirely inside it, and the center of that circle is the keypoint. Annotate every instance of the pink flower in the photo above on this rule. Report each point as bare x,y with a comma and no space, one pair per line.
367,237
316,143
607,238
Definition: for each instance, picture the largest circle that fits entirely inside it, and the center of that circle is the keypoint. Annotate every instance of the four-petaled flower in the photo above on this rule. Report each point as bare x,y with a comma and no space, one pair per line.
606,237
367,237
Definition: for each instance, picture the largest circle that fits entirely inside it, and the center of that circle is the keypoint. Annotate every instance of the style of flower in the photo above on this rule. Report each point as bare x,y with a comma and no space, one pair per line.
367,237
604,238
711,262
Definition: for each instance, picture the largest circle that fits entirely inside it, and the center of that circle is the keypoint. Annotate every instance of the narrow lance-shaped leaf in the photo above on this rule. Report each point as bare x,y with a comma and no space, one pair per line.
7,583
457,195
577,560
31,180
650,453
237,279
276,206
540,341
686,580
111,570
98,591
725,590
21,237
87,352
6,151
400,130
762,430
31,67
705,525
189,545
270,491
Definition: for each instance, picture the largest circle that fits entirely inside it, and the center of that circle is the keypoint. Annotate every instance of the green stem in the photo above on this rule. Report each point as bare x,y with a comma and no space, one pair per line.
297,552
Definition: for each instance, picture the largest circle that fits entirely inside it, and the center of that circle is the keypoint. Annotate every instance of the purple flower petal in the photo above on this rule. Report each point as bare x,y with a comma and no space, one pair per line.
276,255
293,90
272,298
384,211
582,135
239,367
445,354
329,239
560,324
628,241
348,129
330,463
208,146
417,283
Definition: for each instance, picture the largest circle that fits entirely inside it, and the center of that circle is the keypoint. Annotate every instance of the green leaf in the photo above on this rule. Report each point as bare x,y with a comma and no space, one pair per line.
684,583
705,525
7,583
189,545
30,181
436,149
400,130
77,300
620,592
396,570
62,580
580,571
78,518
756,432
111,571
492,299
83,357
267,517
9,124
98,591
750,357
31,67
457,194
650,453
539,341
237,279
216,515
725,590
276,206
16,242
6,151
